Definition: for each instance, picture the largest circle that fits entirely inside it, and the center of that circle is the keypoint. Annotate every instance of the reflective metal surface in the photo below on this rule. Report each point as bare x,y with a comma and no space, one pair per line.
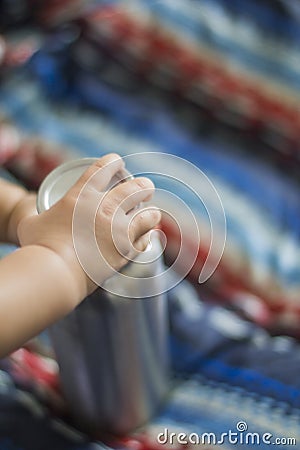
112,350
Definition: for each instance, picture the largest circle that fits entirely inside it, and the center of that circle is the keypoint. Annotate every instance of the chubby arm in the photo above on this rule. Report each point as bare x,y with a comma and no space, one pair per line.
15,203
36,288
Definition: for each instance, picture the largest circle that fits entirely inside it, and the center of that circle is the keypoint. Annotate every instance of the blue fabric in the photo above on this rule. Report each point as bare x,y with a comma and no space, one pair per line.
239,48
235,177
217,344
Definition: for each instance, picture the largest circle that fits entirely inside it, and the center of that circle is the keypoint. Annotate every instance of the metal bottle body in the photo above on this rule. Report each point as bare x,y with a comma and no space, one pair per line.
112,350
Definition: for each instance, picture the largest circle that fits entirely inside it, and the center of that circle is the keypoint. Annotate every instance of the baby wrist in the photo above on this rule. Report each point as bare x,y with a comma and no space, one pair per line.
23,206
71,286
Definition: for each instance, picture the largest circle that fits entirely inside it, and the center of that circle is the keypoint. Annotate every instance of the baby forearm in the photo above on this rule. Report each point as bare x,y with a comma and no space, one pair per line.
37,288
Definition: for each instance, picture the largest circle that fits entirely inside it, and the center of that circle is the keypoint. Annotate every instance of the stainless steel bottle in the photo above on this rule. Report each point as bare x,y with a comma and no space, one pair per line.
112,350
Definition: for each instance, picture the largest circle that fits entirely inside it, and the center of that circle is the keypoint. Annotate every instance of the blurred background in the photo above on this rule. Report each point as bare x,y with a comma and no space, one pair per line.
213,81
